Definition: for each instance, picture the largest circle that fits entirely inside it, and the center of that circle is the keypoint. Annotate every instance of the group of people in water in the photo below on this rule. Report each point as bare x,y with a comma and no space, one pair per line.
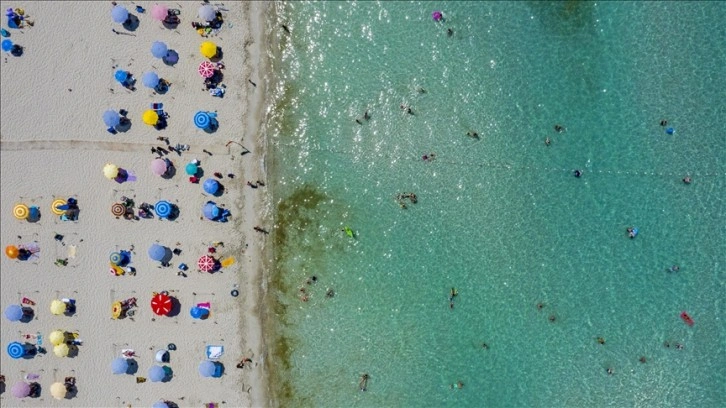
329,292
406,196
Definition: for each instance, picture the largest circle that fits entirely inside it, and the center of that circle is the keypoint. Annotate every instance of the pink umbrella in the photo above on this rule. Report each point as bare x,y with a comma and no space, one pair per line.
158,167
20,389
159,12
206,263
206,69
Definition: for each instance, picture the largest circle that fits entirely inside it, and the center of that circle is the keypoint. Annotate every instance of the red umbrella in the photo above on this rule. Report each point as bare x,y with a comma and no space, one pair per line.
161,304
206,69
206,263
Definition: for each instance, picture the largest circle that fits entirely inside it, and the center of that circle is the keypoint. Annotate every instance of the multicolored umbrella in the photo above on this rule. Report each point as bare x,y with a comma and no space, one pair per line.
57,337
206,263
158,167
20,389
206,69
58,390
57,307
11,251
159,12
116,311
55,204
118,209
161,304
208,49
110,171
150,117
21,211
61,350
115,258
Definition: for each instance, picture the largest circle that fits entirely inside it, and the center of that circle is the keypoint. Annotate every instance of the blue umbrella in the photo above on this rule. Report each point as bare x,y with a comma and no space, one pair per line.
121,75
202,120
210,210
150,79
157,252
14,312
207,368
159,49
116,258
192,169
211,186
156,373
198,312
160,404
16,350
119,14
119,365
111,118
7,45
163,209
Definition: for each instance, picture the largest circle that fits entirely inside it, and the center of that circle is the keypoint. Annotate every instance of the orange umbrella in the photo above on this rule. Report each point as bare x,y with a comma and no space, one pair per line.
11,251
161,304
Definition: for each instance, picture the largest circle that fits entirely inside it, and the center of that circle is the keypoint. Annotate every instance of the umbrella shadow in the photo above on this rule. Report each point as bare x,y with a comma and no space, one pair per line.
133,367
2,388
170,173
213,126
131,23
28,315
34,215
200,172
174,213
35,390
124,125
72,351
167,252
175,307
171,58
219,191
218,56
171,404
168,374
162,87
71,392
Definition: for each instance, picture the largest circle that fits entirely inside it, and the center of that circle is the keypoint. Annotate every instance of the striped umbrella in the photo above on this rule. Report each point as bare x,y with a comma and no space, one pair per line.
16,350
21,211
161,304
202,120
54,206
206,263
118,209
163,208
116,258
206,69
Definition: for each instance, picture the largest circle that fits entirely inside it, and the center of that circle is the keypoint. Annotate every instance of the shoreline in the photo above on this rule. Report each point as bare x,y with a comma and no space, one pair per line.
55,147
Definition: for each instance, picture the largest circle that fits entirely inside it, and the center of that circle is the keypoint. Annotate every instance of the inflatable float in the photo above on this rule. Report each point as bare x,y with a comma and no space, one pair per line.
348,231
687,318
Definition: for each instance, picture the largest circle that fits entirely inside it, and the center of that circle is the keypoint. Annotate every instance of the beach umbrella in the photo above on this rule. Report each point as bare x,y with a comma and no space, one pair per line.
20,389
118,209
116,310
57,307
158,167
7,45
55,204
163,208
159,12
119,365
150,79
198,312
157,252
11,251
121,75
58,390
156,373
14,313
208,49
16,350
150,117
116,258
206,69
202,120
161,304
159,49
111,118
210,210
160,404
61,350
110,171
437,15
206,263
21,211
191,168
207,12
119,14
57,337
207,368
211,186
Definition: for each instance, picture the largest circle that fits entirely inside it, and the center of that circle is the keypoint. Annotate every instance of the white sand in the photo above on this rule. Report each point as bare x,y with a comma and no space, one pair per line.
54,145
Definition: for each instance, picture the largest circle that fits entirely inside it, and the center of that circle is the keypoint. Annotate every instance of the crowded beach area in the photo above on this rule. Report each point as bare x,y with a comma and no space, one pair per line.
133,189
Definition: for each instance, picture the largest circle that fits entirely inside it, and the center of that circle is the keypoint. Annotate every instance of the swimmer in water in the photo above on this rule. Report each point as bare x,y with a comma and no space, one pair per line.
363,384
600,340
547,141
559,128
674,268
452,294
577,173
664,122
687,180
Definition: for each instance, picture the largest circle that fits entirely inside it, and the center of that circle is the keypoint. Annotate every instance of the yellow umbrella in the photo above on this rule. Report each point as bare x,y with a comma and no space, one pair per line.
61,350
56,203
208,49
58,390
110,171
57,307
57,337
20,211
116,310
150,117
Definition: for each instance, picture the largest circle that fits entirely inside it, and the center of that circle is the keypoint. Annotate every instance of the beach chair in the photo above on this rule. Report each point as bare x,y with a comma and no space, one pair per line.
158,107
214,352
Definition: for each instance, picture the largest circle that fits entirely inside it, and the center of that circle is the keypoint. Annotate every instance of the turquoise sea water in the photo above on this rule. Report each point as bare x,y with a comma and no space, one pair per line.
500,218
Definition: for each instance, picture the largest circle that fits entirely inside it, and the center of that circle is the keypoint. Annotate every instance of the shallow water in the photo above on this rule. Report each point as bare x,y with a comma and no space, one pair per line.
500,217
